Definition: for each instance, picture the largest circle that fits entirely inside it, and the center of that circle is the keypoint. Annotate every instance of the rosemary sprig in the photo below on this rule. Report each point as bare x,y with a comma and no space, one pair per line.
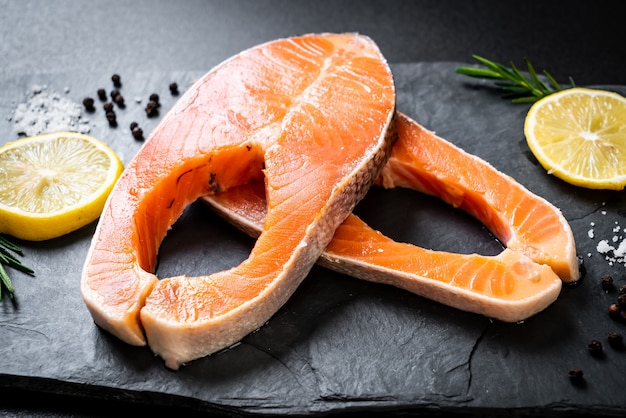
519,88
8,252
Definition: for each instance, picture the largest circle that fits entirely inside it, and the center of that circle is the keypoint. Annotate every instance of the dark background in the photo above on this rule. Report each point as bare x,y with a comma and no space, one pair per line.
581,39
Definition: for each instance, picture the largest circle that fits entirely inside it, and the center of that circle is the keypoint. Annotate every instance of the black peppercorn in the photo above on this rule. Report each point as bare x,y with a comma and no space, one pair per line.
88,103
108,107
133,125
621,300
152,108
112,118
137,133
114,93
615,311
616,340
174,89
576,376
117,80
154,98
622,290
595,348
607,282
102,94
119,100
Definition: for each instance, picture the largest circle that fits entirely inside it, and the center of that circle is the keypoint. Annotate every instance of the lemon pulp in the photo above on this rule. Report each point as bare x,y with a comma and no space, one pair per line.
53,184
579,135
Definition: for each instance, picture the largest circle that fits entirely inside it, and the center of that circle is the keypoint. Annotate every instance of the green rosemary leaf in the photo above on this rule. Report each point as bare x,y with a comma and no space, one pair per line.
504,72
5,281
571,82
477,72
524,89
15,263
535,79
24,269
521,80
485,62
532,72
7,257
554,83
513,88
527,99
8,244
490,64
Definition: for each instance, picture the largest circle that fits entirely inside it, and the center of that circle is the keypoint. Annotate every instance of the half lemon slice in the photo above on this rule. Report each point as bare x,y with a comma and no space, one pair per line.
579,135
53,184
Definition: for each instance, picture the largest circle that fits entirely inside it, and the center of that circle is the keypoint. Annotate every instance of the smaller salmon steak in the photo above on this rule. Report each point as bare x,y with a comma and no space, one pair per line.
512,286
522,220
315,117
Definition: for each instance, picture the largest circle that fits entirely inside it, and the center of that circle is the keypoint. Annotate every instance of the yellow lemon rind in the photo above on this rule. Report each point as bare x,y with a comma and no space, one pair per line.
40,227
553,167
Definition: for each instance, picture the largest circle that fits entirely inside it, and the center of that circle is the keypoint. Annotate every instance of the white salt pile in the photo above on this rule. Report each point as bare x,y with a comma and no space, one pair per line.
613,249
48,111
613,253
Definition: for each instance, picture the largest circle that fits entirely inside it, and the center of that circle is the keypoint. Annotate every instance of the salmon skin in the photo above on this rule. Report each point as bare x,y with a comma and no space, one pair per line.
314,117
512,286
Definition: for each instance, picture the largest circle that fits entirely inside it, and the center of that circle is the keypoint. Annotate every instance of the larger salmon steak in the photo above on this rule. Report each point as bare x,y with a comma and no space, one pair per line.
521,281
314,116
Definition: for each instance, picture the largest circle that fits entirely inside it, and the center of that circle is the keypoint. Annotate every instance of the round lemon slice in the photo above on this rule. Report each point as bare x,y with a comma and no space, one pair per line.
53,184
579,135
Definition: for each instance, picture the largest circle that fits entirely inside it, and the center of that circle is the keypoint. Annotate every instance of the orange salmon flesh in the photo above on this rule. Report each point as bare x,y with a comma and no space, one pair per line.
314,117
521,281
283,140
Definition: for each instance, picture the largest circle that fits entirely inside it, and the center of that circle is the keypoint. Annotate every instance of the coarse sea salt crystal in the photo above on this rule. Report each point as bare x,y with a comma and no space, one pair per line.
604,247
612,254
48,111
612,248
621,250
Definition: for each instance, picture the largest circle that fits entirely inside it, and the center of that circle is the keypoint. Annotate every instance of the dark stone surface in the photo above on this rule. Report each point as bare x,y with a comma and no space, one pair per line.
339,344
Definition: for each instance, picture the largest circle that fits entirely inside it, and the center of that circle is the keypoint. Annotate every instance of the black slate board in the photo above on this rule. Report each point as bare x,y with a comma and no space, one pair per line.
339,344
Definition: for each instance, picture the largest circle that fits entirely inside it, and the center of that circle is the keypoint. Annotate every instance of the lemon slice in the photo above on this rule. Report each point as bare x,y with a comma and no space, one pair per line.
579,135
53,184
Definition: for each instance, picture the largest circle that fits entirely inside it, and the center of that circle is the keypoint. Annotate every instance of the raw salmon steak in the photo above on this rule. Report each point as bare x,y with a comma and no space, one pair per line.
512,286
314,117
